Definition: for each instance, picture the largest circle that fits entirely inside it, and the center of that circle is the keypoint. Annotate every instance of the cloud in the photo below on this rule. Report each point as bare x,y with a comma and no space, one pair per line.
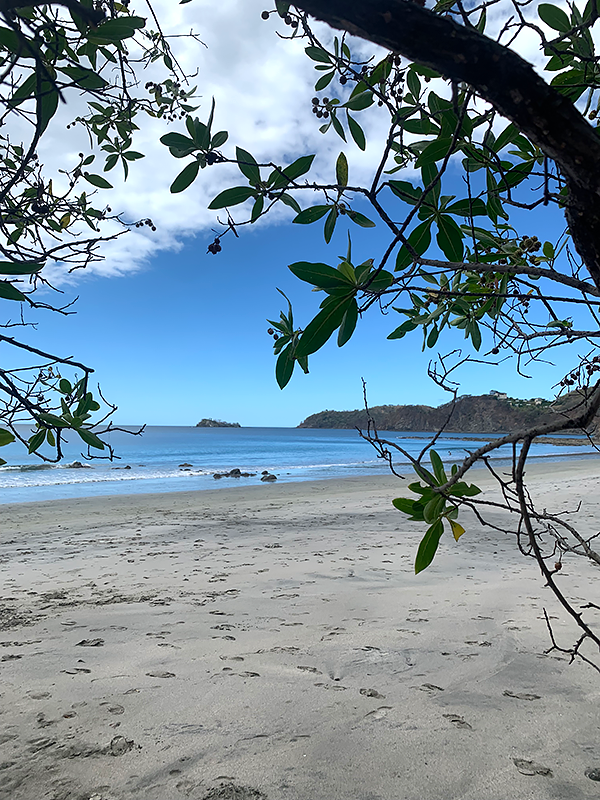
262,85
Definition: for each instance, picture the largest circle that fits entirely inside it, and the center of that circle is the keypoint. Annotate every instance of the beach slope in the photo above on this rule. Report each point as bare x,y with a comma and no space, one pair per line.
273,642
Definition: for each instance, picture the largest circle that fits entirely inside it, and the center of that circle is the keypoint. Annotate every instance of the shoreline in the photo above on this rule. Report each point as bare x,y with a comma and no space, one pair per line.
541,463
584,466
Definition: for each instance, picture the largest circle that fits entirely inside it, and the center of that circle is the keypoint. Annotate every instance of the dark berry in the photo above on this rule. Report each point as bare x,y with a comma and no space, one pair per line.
265,15
315,101
270,331
343,79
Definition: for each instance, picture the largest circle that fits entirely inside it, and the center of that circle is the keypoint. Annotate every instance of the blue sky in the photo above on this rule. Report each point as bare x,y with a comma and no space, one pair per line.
185,337
176,334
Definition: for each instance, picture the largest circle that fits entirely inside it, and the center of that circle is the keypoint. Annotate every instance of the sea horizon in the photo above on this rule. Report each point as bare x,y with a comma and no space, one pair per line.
182,458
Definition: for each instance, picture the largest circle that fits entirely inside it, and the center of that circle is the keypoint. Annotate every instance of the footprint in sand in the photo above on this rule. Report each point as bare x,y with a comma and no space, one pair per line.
160,674
459,721
527,767
430,688
372,693
310,669
521,696
593,773
90,643
379,713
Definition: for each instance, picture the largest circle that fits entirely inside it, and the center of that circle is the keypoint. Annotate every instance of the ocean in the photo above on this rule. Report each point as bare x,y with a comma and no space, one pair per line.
173,459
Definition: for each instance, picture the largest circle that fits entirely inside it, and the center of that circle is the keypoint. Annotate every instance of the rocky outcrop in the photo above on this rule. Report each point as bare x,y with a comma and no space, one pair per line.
217,423
471,414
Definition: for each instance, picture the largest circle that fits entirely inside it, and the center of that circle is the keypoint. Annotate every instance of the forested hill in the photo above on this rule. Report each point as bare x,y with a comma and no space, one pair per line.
472,414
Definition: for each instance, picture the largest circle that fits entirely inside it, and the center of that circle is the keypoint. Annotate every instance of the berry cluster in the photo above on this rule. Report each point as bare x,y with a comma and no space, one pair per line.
143,222
215,247
288,19
591,367
321,109
272,333
529,244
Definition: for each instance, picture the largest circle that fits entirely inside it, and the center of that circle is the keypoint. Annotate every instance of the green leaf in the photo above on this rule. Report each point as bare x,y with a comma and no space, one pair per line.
434,507
434,151
219,139
319,330
232,197
406,191
90,438
178,140
291,202
65,386
403,329
419,240
330,224
348,323
97,180
6,437
547,250
337,126
47,104
359,102
185,178
132,155
429,545
257,208
317,54
475,332
279,179
10,292
116,29
321,275
360,219
382,280
324,81
554,17
19,268
52,419
411,507
111,162
450,238
247,165
36,440
357,133
25,90
438,467
311,214
341,170
284,366
508,135
467,208
86,78
433,336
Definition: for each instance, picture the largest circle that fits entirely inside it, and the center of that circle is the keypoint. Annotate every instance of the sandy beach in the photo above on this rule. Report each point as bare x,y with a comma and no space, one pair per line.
273,643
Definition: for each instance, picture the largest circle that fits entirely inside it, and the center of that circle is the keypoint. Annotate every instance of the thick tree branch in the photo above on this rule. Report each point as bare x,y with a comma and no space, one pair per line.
502,78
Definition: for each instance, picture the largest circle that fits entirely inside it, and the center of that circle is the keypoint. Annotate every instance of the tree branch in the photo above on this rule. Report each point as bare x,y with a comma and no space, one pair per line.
501,77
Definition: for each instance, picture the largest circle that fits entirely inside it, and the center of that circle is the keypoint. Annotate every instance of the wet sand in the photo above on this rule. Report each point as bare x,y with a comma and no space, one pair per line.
273,642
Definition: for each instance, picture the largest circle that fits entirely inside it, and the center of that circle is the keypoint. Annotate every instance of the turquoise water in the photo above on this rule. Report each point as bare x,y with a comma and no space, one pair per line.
155,460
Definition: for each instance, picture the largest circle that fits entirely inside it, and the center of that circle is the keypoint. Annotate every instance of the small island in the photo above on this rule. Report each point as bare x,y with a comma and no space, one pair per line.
217,423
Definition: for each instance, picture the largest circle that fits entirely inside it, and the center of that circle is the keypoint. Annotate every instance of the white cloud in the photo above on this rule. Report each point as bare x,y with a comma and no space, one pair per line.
262,85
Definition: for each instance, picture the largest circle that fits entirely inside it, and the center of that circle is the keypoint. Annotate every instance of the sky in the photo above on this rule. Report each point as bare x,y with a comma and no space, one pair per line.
176,334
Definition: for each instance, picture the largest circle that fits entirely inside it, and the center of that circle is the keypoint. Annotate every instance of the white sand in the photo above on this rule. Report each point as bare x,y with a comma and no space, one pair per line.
274,642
